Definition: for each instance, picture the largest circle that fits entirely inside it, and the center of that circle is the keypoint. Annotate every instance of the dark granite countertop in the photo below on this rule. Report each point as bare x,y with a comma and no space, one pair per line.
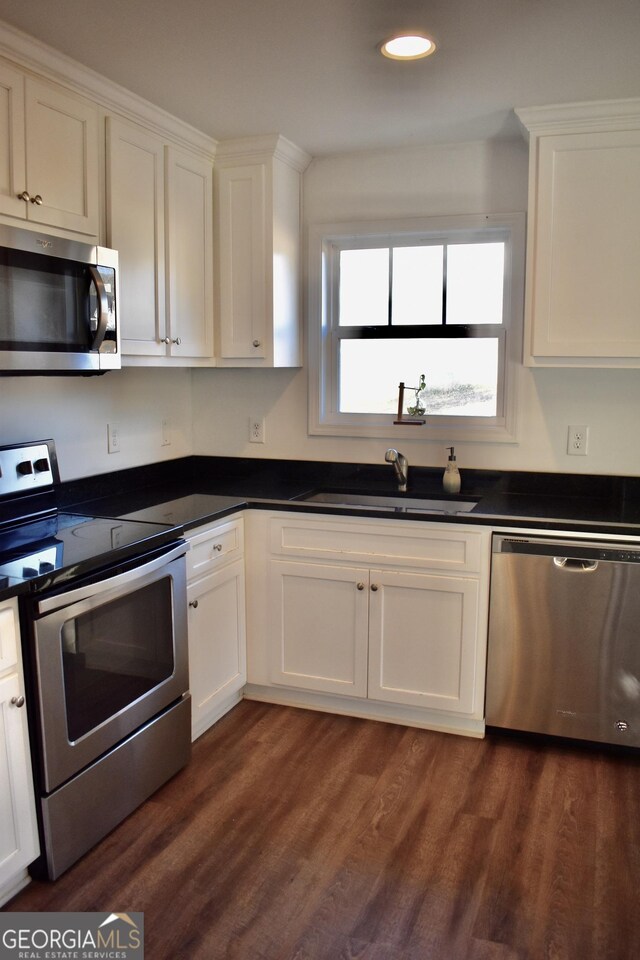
194,491
198,490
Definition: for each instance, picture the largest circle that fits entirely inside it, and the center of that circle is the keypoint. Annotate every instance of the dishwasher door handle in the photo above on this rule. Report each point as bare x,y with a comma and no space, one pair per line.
577,566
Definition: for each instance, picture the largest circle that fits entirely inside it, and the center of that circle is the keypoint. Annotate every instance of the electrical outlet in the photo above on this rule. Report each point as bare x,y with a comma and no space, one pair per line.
256,430
113,438
578,441
165,431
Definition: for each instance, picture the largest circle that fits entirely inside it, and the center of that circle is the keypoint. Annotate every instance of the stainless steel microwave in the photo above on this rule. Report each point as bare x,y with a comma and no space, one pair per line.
58,305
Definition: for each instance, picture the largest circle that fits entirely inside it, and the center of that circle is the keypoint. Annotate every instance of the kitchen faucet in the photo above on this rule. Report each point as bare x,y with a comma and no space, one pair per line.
400,466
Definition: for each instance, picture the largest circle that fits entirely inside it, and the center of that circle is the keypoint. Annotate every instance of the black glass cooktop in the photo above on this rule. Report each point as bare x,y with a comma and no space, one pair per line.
56,547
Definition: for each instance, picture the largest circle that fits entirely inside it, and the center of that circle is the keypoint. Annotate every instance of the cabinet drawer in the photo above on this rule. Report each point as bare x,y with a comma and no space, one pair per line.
433,546
213,547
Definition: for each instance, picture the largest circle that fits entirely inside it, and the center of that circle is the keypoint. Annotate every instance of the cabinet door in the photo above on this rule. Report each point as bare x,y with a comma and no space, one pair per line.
190,254
135,225
318,627
585,246
9,639
13,177
18,830
217,643
62,158
244,271
423,634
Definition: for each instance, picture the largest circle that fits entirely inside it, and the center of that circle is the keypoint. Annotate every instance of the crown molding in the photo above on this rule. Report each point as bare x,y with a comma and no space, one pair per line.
584,117
261,149
36,57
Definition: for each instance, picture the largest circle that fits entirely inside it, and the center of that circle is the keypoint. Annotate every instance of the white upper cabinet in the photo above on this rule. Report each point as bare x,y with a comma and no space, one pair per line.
13,177
160,219
135,228
189,240
48,154
583,282
258,244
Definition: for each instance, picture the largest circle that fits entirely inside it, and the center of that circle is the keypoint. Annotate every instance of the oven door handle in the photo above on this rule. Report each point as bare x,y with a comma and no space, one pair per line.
60,600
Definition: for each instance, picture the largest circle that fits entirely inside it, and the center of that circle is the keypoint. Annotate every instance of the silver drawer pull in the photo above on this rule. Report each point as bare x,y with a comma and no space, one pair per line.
17,701
217,547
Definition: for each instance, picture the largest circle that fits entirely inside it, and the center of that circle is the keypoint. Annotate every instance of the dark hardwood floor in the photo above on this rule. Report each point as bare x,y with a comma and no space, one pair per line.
304,836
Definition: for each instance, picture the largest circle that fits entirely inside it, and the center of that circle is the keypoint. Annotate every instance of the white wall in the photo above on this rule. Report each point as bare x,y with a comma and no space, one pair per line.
424,181
217,404
74,411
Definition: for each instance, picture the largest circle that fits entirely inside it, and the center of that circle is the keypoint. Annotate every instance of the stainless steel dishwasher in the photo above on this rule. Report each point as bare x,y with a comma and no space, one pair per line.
564,638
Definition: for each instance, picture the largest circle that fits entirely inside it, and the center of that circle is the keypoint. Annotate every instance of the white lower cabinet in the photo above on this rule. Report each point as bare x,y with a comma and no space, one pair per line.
217,630
18,827
379,618
383,634
422,639
319,627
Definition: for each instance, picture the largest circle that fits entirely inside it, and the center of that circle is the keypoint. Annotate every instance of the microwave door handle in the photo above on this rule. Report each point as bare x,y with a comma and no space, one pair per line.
103,316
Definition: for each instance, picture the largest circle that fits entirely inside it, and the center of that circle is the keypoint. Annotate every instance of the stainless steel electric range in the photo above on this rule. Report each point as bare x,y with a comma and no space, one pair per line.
104,629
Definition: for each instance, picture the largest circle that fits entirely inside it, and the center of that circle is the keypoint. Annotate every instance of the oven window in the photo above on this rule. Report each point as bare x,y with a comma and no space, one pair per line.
115,654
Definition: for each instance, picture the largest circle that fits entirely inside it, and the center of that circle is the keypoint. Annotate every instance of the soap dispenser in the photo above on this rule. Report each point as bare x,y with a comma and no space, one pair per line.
451,476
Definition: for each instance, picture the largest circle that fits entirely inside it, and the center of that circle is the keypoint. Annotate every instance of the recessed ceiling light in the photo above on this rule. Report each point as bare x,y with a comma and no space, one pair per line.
407,47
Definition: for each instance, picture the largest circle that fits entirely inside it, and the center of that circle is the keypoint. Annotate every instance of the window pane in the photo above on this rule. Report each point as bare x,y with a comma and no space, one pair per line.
364,287
462,375
475,274
417,285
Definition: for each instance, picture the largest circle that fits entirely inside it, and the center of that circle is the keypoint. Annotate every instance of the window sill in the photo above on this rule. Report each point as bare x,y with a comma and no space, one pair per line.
439,433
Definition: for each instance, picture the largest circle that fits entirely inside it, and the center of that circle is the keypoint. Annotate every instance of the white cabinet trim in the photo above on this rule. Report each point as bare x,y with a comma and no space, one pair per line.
40,59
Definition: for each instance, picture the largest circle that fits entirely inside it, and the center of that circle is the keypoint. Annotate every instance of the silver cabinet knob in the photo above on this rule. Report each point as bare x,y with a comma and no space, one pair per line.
165,340
194,604
24,196
217,547
177,341
360,586
256,343
374,587
17,701
37,200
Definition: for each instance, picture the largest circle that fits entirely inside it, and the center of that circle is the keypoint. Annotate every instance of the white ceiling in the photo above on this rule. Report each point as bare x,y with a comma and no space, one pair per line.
310,69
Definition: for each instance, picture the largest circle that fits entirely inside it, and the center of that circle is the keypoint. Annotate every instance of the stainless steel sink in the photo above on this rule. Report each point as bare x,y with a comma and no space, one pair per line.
399,504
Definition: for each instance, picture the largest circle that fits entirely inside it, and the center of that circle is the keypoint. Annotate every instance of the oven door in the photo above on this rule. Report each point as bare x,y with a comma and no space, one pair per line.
108,657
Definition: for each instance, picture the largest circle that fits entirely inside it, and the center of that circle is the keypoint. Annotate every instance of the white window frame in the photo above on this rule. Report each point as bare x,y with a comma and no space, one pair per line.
324,243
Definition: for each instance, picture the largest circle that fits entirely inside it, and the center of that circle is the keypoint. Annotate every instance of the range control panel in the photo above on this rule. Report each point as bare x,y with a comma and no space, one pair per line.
26,469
